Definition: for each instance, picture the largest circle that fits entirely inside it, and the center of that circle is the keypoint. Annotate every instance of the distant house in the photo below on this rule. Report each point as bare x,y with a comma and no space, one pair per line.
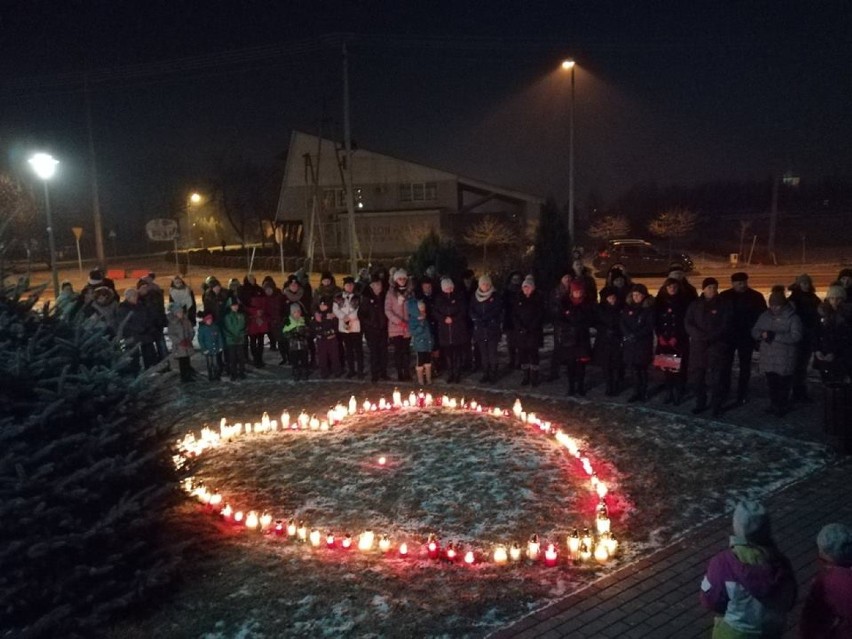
396,201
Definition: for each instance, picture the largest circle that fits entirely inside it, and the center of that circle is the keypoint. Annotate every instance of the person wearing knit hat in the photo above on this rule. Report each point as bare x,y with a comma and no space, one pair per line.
296,334
708,323
750,585
399,333
486,314
746,306
672,349
181,332
637,329
709,281
212,347
608,345
806,304
677,272
346,307
833,345
779,331
451,314
577,316
827,611
527,314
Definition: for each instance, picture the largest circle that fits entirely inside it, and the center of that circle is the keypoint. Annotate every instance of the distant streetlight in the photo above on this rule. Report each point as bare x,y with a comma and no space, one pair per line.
44,166
194,200
569,65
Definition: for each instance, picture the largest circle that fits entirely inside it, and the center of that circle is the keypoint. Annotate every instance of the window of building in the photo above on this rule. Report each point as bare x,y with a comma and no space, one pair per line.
418,191
336,198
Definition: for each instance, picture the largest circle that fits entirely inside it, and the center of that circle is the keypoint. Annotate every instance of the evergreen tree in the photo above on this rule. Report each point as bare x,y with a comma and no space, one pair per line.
552,248
443,254
86,476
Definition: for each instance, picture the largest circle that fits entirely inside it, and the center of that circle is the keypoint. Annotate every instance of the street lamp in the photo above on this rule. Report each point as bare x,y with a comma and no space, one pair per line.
44,166
194,200
569,65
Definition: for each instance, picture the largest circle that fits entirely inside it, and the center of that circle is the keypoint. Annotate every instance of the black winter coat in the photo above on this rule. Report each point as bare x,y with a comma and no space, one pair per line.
637,330
136,323
608,339
454,306
670,323
834,342
806,305
746,307
486,316
572,330
527,318
371,312
708,324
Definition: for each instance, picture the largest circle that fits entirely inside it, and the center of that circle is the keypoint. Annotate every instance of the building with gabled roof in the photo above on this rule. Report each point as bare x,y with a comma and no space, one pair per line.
396,201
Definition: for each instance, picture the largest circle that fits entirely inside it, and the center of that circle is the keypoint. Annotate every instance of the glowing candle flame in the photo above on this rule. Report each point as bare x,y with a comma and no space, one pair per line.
500,555
315,538
365,541
251,520
469,557
403,549
515,552
384,543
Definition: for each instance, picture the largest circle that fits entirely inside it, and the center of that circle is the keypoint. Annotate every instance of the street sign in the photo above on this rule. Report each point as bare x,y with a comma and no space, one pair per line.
279,234
161,230
78,232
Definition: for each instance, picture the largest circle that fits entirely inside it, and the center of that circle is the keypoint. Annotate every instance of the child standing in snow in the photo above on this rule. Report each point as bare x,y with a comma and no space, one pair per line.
234,329
421,339
181,334
210,341
297,338
324,329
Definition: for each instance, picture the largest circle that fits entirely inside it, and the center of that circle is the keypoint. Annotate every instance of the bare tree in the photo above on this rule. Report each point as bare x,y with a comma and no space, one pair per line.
609,227
673,224
21,228
243,192
489,232
415,233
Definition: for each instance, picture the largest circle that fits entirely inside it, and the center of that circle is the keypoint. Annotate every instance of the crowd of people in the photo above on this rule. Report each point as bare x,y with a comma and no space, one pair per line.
438,326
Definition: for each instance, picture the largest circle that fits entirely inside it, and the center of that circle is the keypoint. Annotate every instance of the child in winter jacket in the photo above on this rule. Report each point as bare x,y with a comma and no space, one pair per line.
210,341
324,329
297,338
751,585
181,334
234,329
827,613
421,339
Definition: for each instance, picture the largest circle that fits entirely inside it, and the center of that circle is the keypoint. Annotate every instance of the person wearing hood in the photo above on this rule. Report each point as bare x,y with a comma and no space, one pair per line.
637,330
297,335
234,336
676,272
346,305
374,324
182,294
397,314
779,330
527,318
486,313
181,333
327,288
513,290
750,585
844,279
210,342
617,279
805,303
827,612
104,311
708,324
833,354
450,312
421,338
66,300
136,328
97,279
746,305
608,352
670,325
324,330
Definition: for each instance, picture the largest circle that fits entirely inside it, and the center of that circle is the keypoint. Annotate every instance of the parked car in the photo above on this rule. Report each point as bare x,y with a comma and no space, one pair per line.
638,257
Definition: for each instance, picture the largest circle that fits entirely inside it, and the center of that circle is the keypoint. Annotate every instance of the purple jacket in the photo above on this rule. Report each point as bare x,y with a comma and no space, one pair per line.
827,613
751,587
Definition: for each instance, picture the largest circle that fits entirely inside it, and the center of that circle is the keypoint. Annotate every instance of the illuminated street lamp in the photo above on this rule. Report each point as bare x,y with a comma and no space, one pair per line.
44,166
569,65
194,200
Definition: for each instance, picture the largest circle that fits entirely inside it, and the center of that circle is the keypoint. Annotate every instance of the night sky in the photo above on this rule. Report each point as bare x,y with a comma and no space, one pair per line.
678,93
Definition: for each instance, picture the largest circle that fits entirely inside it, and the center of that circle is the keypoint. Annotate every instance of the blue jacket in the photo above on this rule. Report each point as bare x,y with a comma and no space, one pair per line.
421,333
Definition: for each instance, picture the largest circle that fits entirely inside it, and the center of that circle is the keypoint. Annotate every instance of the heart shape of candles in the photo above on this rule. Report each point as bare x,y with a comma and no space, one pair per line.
595,542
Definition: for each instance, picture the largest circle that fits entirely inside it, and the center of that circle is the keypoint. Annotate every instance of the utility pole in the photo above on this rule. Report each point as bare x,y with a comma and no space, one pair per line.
773,219
347,141
93,170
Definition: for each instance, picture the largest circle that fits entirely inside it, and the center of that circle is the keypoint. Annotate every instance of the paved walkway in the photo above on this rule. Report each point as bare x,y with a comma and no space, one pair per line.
658,596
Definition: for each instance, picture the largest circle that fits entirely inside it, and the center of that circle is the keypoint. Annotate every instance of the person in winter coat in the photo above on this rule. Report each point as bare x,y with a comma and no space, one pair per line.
136,329
527,319
210,342
180,293
577,320
257,323
559,301
425,292
617,279
608,350
676,272
805,303
844,279
294,293
103,311
750,586
346,305
670,325
451,314
779,330
327,289
374,324
181,333
65,300
152,296
833,354
746,305
510,295
297,335
421,339
486,313
397,314
97,279
275,311
708,324
827,612
637,330
470,359
215,303
324,330
234,334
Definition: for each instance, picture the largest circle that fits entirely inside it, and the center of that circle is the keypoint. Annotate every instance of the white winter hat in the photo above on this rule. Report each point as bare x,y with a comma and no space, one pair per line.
835,542
529,282
400,274
447,285
750,518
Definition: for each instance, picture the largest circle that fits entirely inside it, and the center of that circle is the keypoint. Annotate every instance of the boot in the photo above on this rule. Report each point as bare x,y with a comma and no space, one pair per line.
526,380
427,373
534,376
420,377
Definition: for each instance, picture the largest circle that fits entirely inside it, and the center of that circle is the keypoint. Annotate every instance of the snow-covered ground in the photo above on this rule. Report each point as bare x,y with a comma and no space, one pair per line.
471,478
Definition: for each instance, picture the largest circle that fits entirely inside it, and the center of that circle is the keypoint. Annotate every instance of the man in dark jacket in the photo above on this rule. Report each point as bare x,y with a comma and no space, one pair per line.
374,324
708,324
746,305
136,329
486,313
806,303
527,319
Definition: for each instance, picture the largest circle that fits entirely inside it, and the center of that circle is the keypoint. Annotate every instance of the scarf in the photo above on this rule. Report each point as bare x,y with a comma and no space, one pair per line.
482,297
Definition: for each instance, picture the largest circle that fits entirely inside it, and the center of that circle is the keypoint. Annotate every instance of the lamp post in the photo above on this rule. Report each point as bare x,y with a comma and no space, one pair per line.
44,166
569,65
194,200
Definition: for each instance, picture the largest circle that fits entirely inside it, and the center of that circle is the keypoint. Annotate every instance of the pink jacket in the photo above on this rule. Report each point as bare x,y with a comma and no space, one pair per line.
827,613
397,313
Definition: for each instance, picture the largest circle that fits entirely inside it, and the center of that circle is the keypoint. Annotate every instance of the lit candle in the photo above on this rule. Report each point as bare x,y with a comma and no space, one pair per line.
279,528
347,541
365,541
384,543
304,418
523,417
412,399
497,412
611,544
215,499
428,400
574,542
453,403
602,489
382,460
451,552
587,539
433,547
517,409
285,420
329,539
601,553
500,555
473,405
515,552
397,398
227,511
273,425
366,405
291,528
251,520
585,553
469,557
531,418
602,521
302,531
324,425
403,549
264,420
550,556
533,547
265,520
382,403
353,405
238,516
331,415
314,423
315,538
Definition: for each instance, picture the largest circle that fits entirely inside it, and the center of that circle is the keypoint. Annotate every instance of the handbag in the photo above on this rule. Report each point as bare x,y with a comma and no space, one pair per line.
667,362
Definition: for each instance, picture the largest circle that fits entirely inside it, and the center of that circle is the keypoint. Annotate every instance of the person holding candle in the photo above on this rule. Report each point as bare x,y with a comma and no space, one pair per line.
421,339
779,330
750,586
827,613
670,314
